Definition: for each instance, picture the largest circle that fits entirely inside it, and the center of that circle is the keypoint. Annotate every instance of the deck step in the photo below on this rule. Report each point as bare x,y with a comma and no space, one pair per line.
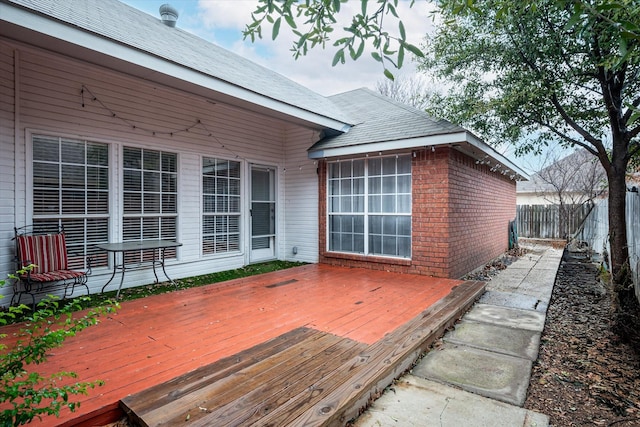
303,377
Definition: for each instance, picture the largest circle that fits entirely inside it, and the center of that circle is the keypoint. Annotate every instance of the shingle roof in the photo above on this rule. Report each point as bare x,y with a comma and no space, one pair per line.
382,124
126,25
575,172
381,119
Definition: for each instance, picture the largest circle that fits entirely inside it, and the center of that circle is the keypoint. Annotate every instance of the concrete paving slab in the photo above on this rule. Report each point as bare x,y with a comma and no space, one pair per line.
511,299
525,263
505,316
480,357
531,288
415,401
513,342
494,375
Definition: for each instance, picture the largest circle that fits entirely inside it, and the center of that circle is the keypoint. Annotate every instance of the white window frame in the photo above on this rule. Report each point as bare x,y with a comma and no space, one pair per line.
367,212
144,256
236,214
85,247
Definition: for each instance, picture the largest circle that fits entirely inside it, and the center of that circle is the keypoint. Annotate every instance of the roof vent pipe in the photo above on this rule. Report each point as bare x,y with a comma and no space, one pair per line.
169,15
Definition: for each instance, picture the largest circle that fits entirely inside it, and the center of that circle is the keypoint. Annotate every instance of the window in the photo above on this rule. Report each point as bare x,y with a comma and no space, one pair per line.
221,206
150,192
71,189
369,206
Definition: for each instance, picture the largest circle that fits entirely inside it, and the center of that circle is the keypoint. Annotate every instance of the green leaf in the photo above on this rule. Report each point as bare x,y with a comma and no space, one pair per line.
290,21
400,56
302,40
388,75
608,6
352,52
413,49
363,7
392,9
635,116
336,5
376,56
338,57
360,50
276,29
403,34
575,18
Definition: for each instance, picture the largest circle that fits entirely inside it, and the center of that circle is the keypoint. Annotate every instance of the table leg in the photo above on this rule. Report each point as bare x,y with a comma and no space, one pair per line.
115,268
165,271
124,268
153,264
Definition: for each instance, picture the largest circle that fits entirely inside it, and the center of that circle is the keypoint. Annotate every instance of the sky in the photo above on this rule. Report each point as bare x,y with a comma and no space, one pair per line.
222,21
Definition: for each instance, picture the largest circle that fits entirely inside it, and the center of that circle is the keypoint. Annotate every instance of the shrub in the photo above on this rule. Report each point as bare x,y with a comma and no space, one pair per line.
26,394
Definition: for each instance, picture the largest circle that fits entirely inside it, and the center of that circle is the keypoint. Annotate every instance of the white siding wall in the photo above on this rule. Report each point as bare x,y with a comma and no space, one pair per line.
532,199
7,162
301,199
51,102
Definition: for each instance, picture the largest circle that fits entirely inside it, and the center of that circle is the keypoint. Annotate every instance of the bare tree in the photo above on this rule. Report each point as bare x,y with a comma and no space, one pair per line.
411,90
571,182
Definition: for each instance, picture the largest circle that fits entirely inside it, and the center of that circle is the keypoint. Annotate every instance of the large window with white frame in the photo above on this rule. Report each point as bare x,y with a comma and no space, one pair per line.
71,189
221,206
150,198
369,206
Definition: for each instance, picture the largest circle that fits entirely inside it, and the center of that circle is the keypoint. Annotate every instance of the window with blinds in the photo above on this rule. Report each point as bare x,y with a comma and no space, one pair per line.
150,198
71,189
369,206
220,206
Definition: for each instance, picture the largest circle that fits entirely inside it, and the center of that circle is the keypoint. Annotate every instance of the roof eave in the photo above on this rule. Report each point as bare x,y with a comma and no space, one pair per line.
463,141
501,160
31,28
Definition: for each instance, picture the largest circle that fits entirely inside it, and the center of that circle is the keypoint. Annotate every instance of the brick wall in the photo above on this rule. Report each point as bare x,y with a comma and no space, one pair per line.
461,212
481,205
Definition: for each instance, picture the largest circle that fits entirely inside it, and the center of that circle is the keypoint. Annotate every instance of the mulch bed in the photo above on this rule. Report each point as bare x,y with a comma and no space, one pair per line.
585,375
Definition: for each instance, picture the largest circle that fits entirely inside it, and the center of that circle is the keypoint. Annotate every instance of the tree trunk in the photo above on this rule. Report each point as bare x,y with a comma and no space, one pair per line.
618,229
627,308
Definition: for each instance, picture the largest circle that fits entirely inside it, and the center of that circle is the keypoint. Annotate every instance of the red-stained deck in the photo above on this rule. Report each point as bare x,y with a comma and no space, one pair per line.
153,340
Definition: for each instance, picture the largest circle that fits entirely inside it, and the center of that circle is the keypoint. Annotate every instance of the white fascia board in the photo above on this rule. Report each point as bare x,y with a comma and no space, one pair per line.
400,144
155,64
491,152
450,139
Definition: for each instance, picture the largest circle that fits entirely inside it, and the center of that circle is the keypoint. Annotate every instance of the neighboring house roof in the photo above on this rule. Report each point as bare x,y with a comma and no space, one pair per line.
384,124
87,30
572,173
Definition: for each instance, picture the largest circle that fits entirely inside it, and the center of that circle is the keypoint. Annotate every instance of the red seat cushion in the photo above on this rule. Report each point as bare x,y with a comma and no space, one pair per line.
54,276
47,251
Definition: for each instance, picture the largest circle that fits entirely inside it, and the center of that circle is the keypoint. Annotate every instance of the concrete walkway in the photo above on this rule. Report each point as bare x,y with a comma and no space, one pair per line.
480,373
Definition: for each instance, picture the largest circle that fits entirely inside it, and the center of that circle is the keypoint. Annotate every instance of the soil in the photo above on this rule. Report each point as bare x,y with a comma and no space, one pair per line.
585,375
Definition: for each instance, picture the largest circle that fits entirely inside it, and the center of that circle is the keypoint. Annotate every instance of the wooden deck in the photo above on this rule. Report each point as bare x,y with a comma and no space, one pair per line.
305,346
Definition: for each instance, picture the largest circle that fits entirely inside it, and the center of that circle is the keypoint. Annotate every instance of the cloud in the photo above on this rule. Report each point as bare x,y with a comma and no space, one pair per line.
313,70
226,14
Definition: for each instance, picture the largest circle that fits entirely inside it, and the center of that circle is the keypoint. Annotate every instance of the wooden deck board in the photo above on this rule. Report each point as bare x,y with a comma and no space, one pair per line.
375,368
321,380
159,338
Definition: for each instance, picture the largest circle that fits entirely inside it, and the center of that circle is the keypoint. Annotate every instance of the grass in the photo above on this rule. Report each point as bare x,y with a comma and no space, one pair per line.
189,282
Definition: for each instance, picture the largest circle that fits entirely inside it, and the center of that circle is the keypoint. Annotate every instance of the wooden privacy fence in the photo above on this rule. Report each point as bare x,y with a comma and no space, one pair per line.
547,222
